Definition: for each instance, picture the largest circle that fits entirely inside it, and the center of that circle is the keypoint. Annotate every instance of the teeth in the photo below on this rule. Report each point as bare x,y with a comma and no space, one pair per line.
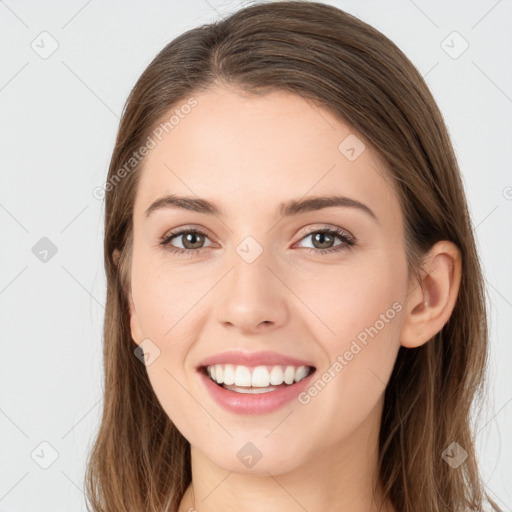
289,375
219,374
229,374
260,377
257,377
242,376
251,391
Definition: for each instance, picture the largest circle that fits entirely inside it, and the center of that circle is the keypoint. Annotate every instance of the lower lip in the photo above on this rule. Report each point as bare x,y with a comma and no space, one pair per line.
261,403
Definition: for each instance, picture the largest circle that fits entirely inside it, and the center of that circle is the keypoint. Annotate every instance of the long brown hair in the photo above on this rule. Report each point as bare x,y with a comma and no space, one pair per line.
140,461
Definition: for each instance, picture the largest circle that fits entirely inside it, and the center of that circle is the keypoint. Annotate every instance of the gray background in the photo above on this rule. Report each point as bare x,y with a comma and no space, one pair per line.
59,119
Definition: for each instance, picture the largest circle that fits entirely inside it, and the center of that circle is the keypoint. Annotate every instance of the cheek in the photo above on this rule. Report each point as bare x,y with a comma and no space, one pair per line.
165,298
347,300
351,311
165,307
361,311
164,303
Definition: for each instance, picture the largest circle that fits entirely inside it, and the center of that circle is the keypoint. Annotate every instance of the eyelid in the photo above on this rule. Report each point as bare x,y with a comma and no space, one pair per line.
186,227
326,227
347,238
308,231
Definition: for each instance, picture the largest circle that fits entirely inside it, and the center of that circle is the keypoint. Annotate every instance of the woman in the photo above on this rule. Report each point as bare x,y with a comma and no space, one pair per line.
295,306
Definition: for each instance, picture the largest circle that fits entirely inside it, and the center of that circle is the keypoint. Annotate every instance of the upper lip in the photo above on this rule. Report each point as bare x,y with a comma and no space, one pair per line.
265,358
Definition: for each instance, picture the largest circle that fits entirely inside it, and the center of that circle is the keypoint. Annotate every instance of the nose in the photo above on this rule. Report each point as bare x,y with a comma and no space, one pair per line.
251,298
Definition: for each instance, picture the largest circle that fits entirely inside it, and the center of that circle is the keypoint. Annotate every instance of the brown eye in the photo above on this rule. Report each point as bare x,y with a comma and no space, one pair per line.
192,240
323,240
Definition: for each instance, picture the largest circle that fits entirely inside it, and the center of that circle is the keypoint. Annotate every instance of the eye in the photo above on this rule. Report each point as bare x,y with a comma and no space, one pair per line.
323,238
191,241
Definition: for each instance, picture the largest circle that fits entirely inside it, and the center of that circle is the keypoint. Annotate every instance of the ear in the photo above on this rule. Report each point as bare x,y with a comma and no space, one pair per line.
134,321
430,303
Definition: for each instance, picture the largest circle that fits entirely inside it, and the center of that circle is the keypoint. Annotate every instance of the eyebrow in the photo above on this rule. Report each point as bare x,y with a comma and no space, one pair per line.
287,208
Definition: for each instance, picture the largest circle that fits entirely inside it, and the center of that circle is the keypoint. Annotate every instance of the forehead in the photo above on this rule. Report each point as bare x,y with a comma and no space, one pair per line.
245,152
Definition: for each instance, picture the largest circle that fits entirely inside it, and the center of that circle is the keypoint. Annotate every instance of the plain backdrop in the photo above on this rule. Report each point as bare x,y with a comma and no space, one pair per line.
66,71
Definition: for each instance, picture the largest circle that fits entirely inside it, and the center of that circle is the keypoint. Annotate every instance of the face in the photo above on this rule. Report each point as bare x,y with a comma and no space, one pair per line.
324,286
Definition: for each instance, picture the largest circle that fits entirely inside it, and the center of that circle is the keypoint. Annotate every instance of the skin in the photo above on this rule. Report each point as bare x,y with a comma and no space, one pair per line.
248,154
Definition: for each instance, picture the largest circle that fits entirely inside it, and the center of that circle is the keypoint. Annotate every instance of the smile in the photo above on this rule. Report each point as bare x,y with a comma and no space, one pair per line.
254,390
246,379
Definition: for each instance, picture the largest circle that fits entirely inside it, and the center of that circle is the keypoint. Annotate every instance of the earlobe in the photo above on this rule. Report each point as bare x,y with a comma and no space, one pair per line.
430,303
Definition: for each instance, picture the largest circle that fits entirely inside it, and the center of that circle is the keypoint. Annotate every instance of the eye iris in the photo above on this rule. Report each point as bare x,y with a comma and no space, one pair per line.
320,237
193,239
187,238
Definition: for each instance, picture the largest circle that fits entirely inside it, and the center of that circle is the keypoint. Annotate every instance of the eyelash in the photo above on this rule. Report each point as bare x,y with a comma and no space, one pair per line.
348,242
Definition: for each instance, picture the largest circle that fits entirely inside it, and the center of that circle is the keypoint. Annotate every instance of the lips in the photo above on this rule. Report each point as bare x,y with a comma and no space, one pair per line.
267,400
258,396
264,358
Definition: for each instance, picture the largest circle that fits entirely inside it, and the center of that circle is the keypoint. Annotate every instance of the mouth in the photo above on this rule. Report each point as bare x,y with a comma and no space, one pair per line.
255,380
